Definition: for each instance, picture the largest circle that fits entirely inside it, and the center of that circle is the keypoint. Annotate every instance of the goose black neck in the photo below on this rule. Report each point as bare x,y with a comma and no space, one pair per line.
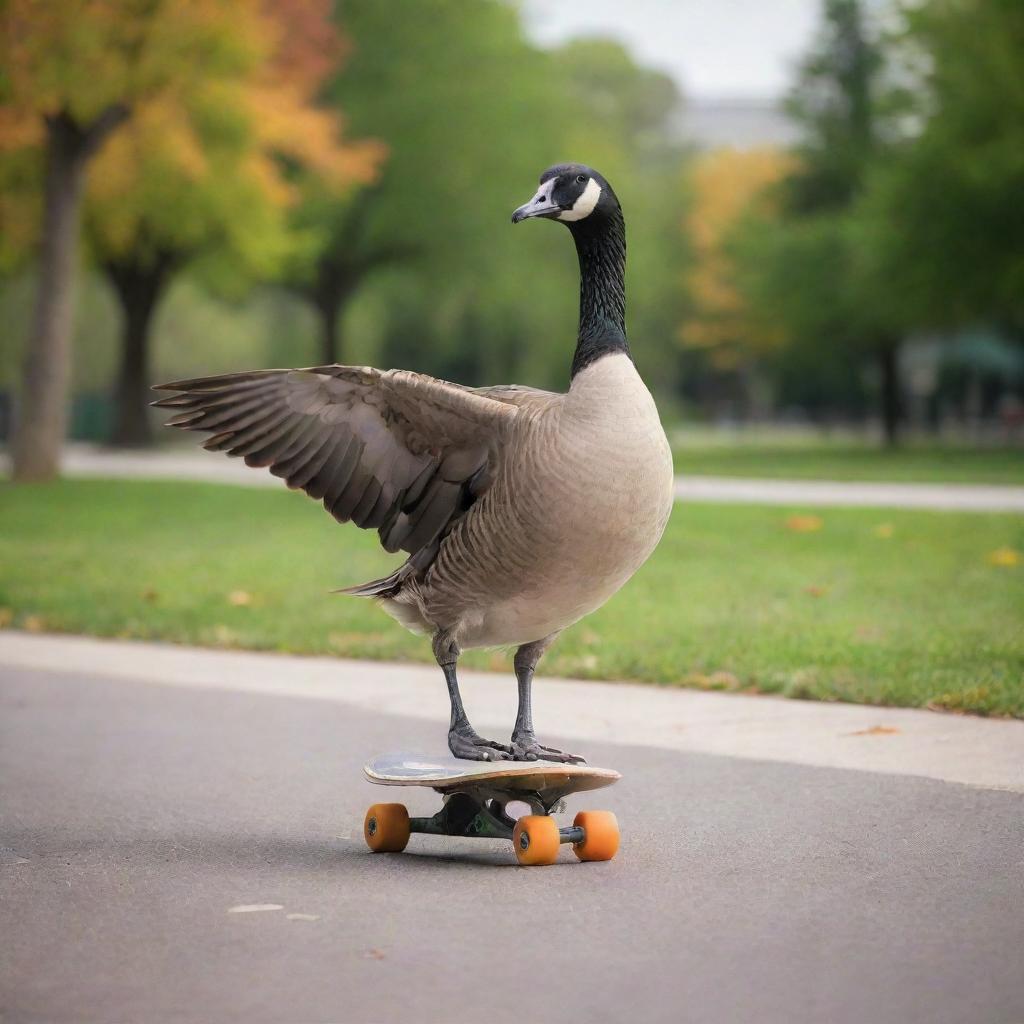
601,247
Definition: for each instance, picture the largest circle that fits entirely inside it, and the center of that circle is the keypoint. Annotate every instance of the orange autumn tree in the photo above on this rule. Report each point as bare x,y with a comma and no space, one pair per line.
198,77
211,174
727,185
71,76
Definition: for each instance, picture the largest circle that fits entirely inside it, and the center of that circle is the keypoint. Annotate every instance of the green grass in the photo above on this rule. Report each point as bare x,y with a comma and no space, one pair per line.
821,460
880,607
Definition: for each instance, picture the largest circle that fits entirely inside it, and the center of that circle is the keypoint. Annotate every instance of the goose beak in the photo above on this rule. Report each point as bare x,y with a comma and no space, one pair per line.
540,206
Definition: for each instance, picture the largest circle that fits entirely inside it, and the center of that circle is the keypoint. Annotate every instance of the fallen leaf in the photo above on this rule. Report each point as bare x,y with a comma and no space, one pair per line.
374,954
971,699
224,637
722,681
815,591
6,617
254,908
240,598
344,642
871,632
303,917
876,730
804,524
33,623
150,595
1003,557
883,531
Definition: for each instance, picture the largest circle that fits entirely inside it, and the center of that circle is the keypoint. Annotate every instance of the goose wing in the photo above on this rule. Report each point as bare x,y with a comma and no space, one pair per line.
396,451
519,395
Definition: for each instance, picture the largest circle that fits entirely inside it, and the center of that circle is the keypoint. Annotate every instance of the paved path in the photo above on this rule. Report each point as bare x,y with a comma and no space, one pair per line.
825,493
136,816
904,741
197,464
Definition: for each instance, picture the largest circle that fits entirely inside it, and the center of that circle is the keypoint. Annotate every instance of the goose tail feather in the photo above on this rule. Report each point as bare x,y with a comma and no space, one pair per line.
387,586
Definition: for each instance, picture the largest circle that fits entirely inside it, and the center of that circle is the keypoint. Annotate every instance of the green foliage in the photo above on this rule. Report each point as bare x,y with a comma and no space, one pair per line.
802,269
903,213
459,292
944,229
885,608
836,102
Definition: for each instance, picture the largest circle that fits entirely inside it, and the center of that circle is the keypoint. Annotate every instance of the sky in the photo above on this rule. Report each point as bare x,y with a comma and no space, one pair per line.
714,49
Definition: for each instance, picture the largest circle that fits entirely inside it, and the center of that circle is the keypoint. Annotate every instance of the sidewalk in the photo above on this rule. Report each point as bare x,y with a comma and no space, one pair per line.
898,741
212,467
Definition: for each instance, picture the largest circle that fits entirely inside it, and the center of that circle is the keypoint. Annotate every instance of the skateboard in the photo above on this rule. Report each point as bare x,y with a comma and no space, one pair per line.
475,795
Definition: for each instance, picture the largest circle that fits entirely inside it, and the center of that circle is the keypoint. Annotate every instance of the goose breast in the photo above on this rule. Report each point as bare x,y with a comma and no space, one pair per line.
581,502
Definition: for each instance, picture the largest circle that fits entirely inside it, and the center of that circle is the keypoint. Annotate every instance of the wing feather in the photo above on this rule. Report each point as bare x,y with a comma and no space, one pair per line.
395,451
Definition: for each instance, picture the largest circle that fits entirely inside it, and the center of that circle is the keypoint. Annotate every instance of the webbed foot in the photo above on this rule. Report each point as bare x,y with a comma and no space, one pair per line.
465,744
525,747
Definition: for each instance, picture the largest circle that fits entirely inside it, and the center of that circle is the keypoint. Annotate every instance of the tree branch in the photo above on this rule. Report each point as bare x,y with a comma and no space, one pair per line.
94,134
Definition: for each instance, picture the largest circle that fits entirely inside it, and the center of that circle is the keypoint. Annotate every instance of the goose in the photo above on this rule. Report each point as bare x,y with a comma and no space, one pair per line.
520,510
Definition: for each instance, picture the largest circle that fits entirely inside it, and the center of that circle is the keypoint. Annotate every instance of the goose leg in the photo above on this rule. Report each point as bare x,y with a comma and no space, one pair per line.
525,746
463,740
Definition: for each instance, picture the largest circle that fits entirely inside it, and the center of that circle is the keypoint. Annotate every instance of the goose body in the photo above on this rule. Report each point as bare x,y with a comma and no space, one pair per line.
520,510
581,500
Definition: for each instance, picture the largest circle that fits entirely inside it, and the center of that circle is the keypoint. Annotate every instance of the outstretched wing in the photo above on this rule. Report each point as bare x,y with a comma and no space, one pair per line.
393,450
519,395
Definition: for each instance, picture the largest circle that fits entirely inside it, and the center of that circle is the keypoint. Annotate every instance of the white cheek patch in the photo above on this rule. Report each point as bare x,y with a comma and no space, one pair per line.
584,206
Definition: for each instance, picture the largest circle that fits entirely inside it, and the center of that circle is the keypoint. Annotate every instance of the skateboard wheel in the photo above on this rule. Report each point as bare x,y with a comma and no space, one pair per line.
600,835
536,840
386,828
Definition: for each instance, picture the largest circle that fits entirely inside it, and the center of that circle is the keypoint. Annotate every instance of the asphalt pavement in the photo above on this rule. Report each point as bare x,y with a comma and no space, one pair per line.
137,818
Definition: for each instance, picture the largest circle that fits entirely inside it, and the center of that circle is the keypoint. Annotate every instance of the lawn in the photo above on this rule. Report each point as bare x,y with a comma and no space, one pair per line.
807,459
885,607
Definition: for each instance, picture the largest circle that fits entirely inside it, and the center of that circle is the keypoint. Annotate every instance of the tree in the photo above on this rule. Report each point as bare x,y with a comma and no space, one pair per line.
803,266
72,74
727,184
622,116
944,230
207,177
463,142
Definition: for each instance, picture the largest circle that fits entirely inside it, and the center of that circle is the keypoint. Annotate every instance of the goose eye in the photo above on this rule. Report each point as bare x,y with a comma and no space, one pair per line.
581,178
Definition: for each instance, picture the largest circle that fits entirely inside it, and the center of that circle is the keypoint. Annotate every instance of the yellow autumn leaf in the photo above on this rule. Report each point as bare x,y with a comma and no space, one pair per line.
240,598
804,524
883,531
224,637
1004,557
876,730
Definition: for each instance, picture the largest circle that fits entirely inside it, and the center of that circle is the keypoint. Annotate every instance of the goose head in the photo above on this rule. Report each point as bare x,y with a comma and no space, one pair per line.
570,193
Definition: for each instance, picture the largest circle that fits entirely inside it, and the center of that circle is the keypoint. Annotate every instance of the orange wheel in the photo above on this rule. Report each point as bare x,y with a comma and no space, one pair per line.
386,828
536,840
600,835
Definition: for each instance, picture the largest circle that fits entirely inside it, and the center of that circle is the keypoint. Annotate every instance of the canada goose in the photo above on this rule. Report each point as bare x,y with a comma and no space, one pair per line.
521,510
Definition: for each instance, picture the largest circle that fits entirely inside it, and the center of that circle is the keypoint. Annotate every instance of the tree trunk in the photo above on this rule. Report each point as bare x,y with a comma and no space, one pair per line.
329,309
892,404
41,421
139,289
335,285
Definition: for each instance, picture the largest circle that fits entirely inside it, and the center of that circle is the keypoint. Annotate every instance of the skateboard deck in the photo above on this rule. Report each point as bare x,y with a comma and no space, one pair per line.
475,795
447,773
